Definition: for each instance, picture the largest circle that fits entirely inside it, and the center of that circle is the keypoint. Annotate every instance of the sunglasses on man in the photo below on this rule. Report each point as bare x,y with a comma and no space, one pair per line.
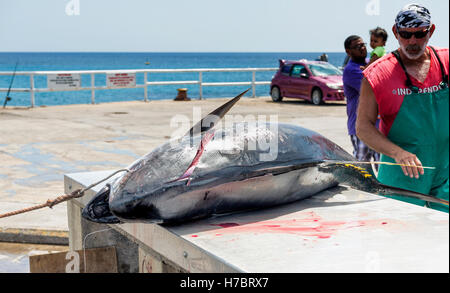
359,46
407,35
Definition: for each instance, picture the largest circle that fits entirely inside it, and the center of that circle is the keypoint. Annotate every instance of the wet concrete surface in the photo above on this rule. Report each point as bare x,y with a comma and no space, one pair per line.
14,257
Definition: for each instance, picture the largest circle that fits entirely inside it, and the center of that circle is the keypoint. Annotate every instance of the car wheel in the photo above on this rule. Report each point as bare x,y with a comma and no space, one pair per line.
276,94
317,97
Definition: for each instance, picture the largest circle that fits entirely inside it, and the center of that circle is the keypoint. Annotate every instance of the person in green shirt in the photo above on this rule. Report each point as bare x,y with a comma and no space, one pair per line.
378,38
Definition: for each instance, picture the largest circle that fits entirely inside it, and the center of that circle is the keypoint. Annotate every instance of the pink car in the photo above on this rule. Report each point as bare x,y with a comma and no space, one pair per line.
315,81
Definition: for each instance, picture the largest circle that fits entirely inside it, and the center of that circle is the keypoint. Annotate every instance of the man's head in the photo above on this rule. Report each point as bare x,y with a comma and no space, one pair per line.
355,48
378,37
413,29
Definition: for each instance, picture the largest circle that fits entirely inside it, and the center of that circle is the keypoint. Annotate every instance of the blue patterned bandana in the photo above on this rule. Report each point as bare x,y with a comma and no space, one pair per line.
413,16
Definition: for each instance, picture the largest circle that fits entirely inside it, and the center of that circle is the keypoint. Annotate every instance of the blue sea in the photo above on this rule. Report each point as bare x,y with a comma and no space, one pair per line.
114,61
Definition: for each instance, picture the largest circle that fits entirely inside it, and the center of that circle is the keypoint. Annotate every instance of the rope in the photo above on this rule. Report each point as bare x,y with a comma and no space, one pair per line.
50,203
84,246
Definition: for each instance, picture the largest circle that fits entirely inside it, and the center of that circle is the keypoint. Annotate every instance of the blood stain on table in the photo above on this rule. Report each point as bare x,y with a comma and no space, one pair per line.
311,225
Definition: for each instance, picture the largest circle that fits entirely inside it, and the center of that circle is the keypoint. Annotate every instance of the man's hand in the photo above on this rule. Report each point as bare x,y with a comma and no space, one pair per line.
406,158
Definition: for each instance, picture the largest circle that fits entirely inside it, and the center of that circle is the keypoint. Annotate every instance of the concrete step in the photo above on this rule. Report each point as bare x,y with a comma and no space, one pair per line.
44,226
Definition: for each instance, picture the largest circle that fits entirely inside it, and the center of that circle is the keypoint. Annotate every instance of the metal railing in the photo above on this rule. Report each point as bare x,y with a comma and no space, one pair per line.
32,89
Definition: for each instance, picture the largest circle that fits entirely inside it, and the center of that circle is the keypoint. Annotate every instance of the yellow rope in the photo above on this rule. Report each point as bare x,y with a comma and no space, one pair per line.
383,163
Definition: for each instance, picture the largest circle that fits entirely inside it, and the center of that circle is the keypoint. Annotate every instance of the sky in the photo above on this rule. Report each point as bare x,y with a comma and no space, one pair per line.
201,25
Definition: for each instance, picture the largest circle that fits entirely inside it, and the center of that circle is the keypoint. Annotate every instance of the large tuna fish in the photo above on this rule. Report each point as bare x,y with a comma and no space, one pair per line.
213,170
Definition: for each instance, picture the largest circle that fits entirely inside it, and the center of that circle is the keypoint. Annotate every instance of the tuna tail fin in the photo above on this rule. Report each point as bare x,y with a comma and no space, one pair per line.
361,178
97,210
389,190
210,120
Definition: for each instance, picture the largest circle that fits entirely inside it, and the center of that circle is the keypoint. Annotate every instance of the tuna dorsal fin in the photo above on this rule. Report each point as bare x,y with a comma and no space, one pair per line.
212,118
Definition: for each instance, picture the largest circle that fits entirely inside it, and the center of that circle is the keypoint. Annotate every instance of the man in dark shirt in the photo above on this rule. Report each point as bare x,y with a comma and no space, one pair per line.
357,51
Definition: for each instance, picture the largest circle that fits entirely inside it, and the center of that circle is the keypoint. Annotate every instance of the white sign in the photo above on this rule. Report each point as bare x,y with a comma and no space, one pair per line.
121,79
63,81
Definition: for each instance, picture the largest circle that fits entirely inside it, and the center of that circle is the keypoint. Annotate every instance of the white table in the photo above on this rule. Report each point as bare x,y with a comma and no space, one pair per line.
339,230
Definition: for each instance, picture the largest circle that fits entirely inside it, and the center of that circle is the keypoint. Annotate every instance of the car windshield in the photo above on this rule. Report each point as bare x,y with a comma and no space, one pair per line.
324,69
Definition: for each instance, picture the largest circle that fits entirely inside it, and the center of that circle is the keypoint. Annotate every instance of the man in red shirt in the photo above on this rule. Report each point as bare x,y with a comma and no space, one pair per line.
409,89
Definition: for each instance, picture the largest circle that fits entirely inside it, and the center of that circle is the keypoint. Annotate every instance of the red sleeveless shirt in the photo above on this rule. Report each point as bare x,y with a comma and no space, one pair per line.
387,79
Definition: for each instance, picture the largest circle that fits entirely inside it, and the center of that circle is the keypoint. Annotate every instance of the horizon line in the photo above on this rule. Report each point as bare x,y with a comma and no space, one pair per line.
172,52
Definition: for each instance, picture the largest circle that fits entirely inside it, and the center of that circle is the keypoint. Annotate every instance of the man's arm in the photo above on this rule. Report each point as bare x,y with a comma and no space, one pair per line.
367,132
372,59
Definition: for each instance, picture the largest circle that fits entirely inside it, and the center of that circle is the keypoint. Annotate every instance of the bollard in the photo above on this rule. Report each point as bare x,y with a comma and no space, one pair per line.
182,95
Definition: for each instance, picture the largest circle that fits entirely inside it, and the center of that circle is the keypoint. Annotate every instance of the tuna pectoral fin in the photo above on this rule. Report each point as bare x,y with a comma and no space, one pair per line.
360,178
97,210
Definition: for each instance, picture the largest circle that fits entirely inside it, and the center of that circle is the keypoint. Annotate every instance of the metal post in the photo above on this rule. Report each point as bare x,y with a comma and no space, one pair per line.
200,90
253,83
145,87
92,88
32,89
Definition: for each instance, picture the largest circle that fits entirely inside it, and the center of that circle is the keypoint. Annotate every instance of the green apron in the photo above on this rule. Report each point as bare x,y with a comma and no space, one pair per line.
421,127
